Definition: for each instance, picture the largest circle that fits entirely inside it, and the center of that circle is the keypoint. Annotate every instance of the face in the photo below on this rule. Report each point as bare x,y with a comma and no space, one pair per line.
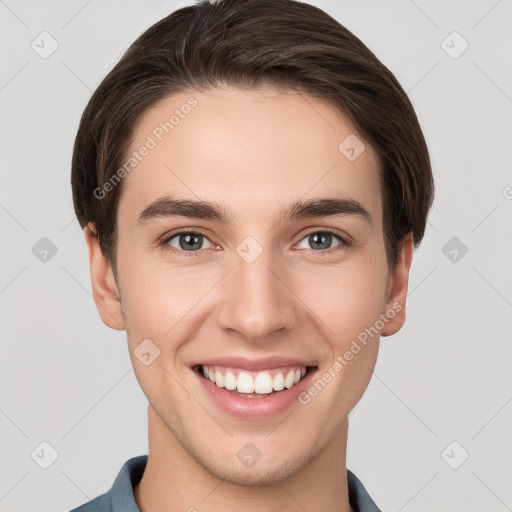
219,274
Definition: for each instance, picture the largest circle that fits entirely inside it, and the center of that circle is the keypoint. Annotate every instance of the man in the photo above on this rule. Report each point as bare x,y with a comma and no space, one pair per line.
251,182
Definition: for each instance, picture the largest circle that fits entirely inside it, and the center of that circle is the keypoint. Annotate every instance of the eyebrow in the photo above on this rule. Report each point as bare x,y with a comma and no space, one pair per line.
210,210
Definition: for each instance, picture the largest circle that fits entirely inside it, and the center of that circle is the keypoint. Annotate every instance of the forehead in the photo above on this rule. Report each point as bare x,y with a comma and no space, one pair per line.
255,149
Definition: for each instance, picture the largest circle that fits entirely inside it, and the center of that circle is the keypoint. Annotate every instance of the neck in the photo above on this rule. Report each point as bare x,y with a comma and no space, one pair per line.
174,481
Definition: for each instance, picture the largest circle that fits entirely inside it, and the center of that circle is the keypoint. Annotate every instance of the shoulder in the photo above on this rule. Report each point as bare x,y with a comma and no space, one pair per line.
120,497
358,496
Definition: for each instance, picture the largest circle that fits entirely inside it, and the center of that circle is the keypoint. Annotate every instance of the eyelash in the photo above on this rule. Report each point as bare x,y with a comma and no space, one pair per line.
344,241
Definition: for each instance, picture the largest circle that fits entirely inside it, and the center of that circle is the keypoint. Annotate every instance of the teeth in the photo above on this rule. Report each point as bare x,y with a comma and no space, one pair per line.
219,379
230,381
279,382
288,380
262,384
245,383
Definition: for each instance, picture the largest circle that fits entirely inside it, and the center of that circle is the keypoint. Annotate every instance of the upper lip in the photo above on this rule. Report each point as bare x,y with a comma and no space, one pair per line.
265,363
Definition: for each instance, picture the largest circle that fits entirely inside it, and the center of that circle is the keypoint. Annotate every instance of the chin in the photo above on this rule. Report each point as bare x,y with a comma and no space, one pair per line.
263,473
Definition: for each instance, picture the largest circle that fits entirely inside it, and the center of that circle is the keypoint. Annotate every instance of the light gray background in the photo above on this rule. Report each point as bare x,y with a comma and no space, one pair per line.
67,379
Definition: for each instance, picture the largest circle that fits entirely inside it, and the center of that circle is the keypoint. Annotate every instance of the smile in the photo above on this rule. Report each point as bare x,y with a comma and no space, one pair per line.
256,383
255,393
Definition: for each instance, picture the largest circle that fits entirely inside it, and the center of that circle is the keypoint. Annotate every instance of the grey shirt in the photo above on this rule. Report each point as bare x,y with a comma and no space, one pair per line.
120,497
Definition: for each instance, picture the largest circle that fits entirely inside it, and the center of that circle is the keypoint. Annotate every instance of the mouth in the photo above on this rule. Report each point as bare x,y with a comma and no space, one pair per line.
254,394
249,384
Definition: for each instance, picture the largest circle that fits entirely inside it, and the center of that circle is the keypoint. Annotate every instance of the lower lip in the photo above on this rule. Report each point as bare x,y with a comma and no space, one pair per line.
256,408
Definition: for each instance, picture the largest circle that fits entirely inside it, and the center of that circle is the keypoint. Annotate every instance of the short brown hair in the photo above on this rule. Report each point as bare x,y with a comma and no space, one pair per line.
249,43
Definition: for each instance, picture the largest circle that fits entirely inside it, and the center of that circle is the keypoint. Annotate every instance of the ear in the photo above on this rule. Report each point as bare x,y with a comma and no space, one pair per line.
104,286
397,288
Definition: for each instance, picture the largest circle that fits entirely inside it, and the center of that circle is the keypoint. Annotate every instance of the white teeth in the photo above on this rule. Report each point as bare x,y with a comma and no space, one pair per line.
279,382
263,384
230,381
245,383
288,380
219,379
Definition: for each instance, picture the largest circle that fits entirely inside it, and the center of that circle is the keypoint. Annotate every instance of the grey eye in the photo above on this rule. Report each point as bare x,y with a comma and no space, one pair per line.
188,241
320,240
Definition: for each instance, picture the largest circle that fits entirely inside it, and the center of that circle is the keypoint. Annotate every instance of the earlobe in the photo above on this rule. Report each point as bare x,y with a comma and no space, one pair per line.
104,286
397,288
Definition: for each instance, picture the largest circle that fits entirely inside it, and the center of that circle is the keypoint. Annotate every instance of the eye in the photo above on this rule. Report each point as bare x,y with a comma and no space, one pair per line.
194,241
189,241
323,240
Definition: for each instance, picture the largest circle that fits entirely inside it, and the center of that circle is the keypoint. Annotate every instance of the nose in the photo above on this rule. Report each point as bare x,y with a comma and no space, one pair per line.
257,299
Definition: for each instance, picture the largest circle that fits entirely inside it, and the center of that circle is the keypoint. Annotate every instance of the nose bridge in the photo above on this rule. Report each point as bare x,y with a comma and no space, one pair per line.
255,301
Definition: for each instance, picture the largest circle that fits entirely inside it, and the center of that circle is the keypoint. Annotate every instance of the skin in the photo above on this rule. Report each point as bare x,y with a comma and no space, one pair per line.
255,152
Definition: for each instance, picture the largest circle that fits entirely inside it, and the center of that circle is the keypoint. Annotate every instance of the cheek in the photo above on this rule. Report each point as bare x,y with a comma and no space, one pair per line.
347,299
160,300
